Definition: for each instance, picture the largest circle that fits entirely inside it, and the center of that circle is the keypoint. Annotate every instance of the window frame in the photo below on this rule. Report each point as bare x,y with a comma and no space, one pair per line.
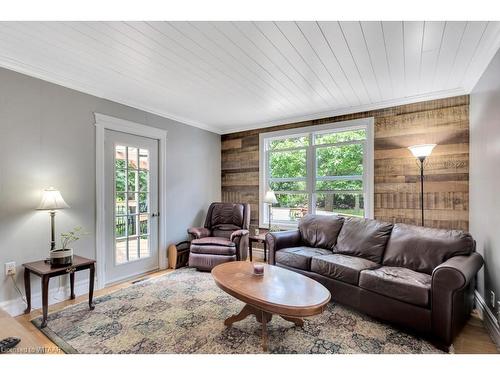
366,124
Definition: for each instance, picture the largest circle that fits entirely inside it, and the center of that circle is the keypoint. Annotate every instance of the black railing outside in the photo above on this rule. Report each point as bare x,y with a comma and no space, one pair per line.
131,220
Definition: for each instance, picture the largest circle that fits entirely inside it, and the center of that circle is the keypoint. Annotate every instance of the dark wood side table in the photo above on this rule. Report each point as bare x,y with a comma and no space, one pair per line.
46,271
259,238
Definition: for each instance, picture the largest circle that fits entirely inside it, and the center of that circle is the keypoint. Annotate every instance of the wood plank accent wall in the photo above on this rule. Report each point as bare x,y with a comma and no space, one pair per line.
397,187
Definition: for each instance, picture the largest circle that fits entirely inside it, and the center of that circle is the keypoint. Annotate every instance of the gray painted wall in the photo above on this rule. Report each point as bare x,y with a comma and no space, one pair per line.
47,137
484,212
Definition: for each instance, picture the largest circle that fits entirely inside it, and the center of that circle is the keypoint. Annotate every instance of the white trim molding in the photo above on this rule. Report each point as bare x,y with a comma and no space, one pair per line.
490,321
105,122
368,161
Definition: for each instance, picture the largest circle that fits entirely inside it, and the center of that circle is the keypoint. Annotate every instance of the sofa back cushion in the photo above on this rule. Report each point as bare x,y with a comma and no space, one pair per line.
363,238
423,249
320,231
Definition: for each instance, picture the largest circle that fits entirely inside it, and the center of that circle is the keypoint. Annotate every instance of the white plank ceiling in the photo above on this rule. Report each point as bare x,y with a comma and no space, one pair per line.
230,76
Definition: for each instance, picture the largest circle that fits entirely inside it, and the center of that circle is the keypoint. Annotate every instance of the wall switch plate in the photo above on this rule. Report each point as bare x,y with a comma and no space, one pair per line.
492,298
10,268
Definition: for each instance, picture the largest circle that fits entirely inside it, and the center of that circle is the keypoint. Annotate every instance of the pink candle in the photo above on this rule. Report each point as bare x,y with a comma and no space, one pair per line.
258,269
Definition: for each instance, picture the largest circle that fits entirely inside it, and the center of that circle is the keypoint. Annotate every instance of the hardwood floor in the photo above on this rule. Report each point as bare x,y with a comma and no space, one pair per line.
473,339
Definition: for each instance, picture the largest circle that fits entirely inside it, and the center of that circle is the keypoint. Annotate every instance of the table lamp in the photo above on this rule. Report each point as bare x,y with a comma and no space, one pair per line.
270,199
421,152
52,201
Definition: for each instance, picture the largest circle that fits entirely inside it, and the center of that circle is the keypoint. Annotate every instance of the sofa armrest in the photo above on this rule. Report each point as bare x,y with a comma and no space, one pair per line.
452,293
199,232
280,240
240,238
457,271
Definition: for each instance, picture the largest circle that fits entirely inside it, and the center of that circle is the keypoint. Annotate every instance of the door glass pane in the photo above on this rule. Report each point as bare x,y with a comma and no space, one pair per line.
143,180
133,248
144,246
143,202
131,207
144,159
121,250
339,203
120,157
132,225
132,181
132,157
132,204
120,227
120,204
143,224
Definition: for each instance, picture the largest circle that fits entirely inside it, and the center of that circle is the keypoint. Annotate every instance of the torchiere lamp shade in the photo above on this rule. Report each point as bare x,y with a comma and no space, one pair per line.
422,151
52,200
270,197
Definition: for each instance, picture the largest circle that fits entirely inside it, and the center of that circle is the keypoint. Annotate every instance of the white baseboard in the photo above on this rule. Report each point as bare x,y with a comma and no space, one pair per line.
16,306
490,322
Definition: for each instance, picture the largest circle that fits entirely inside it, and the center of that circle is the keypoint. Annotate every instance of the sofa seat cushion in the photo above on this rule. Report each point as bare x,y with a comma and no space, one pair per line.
299,257
399,283
423,249
341,267
213,245
363,238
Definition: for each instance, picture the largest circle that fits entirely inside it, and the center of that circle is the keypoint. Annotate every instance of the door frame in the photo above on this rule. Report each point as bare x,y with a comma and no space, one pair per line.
103,123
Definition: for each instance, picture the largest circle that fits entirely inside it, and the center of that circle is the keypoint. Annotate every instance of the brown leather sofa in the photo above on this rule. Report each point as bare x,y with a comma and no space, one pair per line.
223,238
415,277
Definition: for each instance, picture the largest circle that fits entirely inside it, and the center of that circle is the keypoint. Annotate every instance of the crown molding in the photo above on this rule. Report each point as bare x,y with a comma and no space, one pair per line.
27,69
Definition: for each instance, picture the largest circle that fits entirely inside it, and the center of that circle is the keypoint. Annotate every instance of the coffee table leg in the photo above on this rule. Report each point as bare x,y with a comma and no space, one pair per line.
246,311
298,321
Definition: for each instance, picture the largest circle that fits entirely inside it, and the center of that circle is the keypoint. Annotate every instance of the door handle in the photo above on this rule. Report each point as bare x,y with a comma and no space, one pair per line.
155,214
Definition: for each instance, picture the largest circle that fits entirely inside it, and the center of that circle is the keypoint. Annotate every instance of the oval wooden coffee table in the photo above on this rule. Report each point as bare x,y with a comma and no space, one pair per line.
279,291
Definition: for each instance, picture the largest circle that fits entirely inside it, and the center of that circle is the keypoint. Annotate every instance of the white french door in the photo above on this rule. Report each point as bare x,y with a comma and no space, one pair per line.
131,205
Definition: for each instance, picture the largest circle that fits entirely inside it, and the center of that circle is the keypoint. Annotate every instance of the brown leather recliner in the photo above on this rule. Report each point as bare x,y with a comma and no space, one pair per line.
223,238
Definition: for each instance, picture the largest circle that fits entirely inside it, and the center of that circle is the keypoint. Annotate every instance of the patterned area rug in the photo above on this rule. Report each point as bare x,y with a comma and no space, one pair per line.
183,312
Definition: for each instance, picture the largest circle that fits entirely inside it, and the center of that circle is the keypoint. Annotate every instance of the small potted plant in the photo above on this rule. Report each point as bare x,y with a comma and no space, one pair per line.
64,255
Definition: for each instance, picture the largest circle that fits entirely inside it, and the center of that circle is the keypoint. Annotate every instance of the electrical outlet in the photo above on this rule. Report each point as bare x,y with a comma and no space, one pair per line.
492,298
10,268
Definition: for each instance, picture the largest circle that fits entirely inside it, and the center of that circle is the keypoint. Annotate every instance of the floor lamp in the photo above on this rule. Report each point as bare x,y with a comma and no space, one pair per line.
421,152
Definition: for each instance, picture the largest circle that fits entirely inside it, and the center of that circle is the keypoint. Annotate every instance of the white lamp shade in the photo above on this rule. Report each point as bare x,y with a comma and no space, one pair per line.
52,200
270,197
421,150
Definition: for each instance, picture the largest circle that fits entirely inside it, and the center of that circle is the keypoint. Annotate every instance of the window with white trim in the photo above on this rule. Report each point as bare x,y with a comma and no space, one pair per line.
325,170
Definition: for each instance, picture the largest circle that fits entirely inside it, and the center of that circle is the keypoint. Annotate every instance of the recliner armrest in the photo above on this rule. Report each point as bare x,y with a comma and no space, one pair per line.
238,233
199,232
280,240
